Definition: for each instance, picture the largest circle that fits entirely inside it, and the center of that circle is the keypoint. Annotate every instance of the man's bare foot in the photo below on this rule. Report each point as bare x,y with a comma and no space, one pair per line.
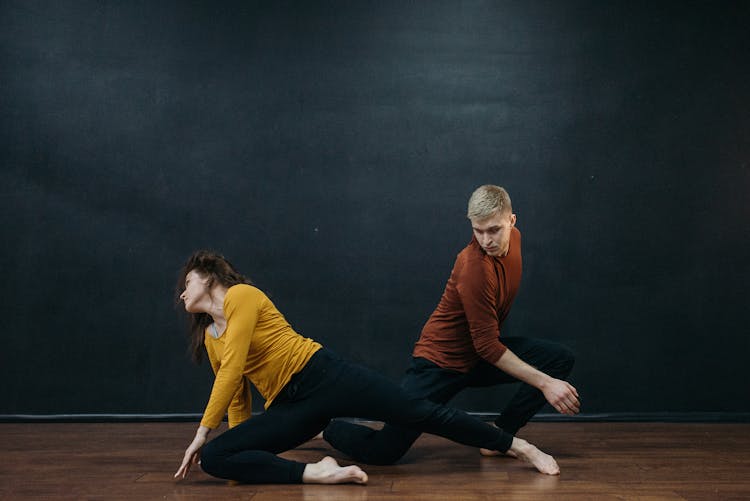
491,452
527,452
328,471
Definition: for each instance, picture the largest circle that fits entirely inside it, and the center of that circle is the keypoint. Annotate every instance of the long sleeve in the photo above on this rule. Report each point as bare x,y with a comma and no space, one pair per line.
477,286
240,408
241,308
213,359
465,327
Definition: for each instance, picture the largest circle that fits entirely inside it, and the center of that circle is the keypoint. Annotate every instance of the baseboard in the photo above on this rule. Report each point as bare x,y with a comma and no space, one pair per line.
614,417
98,418
645,417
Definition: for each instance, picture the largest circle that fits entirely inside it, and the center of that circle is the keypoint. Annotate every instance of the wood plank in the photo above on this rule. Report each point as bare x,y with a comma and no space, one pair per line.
117,461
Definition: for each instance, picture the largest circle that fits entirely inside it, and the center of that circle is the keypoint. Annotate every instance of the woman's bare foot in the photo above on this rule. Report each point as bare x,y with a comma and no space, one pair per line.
527,452
328,471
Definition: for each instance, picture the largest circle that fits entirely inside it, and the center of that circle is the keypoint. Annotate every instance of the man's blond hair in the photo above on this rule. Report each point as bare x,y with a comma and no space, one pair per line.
487,200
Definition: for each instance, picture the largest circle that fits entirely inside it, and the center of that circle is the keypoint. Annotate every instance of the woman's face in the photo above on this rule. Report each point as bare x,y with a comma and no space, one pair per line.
196,296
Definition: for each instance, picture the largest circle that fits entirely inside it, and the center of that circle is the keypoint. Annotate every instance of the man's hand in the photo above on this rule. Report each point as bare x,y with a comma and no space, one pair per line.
562,396
193,452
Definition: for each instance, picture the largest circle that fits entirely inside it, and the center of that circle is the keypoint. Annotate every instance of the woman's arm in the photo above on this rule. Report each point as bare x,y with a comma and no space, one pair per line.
242,305
240,409
193,452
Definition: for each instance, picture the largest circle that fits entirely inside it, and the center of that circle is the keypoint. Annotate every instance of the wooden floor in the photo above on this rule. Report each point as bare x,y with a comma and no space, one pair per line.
599,461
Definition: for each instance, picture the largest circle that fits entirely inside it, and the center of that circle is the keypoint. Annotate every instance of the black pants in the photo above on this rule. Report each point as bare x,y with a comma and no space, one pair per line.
329,387
426,380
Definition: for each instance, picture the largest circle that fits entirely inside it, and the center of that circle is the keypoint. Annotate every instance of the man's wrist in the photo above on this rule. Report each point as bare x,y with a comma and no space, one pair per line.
546,381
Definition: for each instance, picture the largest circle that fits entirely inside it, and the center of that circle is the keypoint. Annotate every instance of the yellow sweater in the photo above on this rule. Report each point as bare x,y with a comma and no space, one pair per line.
258,345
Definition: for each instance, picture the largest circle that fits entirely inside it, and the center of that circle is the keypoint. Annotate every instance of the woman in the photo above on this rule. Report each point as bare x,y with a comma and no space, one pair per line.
304,385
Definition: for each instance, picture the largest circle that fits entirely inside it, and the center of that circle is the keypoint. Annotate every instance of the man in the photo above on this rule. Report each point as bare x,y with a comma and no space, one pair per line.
462,344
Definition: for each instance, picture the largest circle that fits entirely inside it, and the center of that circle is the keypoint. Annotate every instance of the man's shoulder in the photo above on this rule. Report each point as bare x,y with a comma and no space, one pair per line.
472,265
471,253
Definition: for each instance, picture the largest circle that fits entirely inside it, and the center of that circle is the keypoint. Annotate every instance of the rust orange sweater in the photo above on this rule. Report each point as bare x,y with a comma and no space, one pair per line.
465,326
258,346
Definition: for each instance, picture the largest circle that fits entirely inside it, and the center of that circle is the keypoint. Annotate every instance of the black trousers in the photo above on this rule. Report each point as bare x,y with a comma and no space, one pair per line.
329,387
424,379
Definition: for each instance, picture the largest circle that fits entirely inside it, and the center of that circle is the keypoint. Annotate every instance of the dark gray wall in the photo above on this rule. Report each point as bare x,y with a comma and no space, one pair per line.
329,148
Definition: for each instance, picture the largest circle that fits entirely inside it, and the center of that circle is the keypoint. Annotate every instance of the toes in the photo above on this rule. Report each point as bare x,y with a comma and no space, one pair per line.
355,474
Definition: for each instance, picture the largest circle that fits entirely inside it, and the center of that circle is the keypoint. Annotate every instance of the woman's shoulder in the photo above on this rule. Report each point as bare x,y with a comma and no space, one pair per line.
243,293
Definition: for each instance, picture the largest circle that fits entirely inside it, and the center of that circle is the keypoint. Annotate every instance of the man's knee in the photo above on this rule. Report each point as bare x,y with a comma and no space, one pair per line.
388,445
378,447
564,359
384,454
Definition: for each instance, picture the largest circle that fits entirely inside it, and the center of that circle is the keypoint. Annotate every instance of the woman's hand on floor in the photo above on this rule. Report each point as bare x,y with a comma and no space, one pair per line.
193,452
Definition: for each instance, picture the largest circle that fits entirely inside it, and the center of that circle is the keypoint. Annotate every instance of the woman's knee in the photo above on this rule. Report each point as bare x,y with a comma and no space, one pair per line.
211,459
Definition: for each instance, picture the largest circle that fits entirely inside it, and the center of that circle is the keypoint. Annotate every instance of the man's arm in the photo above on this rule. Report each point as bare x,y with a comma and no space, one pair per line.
560,394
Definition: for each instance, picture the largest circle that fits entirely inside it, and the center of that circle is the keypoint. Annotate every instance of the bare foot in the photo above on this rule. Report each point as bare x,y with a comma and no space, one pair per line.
527,452
492,452
328,471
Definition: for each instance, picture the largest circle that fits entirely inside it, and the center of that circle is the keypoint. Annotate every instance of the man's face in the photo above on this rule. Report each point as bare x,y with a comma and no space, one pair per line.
493,232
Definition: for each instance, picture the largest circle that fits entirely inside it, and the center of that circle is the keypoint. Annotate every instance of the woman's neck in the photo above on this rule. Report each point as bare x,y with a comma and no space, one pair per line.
216,308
